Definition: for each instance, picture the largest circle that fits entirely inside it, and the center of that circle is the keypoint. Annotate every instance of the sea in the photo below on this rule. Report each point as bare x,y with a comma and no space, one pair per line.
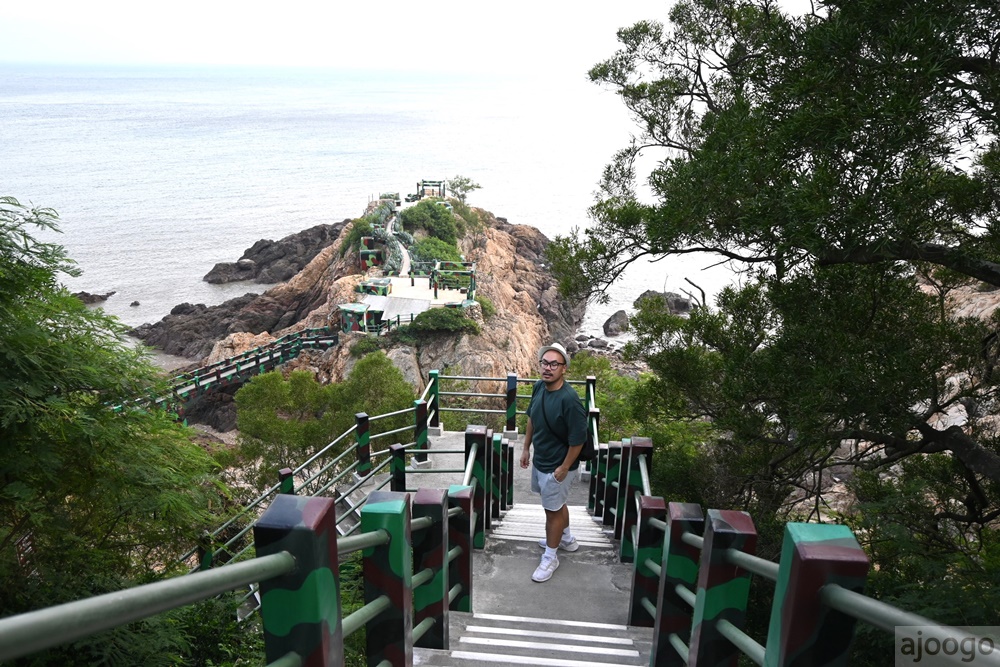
158,173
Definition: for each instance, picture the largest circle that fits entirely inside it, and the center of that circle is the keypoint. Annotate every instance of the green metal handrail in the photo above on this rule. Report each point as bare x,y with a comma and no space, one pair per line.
45,628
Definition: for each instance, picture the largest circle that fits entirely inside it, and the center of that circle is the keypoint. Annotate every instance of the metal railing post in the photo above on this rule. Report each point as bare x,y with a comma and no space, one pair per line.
430,550
496,474
722,588
477,434
801,629
286,483
420,431
460,529
397,468
679,571
388,570
301,610
640,447
434,404
593,424
610,483
511,426
598,480
511,448
645,582
505,474
364,452
621,492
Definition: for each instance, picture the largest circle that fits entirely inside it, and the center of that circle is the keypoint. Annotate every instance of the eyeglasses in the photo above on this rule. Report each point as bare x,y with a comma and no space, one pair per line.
551,364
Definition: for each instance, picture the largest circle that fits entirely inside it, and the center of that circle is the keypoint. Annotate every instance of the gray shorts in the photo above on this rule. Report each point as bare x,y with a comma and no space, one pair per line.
554,494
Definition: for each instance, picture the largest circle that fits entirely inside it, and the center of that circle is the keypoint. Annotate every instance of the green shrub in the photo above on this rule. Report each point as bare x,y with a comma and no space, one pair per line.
359,229
436,220
489,310
432,249
364,346
444,320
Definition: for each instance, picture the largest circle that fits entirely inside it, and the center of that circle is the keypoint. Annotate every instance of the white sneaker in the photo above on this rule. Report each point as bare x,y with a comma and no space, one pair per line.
571,545
545,569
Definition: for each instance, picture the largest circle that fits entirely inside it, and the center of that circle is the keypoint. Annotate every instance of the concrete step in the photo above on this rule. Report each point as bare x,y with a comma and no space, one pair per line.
500,639
526,523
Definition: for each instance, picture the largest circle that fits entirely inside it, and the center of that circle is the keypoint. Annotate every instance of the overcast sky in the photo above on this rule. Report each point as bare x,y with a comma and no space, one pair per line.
442,35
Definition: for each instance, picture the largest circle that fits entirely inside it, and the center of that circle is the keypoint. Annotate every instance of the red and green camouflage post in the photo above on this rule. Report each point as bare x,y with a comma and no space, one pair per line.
301,611
722,588
803,631
679,573
388,571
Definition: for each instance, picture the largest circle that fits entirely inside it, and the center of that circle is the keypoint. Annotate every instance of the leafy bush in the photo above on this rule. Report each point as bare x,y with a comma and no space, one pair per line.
284,421
359,228
432,249
444,319
489,310
365,346
436,220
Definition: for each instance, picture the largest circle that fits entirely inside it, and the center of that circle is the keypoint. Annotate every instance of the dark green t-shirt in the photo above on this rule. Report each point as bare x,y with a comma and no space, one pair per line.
567,418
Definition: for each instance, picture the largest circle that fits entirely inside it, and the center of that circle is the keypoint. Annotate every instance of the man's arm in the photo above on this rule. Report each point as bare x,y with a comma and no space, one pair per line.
525,452
571,454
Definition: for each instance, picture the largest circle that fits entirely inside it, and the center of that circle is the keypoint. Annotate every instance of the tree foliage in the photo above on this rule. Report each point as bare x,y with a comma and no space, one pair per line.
432,249
92,498
284,420
845,162
436,220
461,186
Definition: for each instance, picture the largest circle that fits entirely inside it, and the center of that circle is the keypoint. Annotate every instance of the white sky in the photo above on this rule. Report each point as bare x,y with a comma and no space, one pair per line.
443,36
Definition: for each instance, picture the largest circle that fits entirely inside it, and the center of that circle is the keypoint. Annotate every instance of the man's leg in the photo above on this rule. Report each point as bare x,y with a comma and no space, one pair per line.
555,524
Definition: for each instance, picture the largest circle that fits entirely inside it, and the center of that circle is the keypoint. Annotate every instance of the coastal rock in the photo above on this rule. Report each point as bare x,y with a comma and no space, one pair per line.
305,301
269,261
616,324
598,343
91,299
673,302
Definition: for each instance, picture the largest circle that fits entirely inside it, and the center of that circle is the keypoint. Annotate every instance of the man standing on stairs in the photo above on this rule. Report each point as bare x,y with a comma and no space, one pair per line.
557,426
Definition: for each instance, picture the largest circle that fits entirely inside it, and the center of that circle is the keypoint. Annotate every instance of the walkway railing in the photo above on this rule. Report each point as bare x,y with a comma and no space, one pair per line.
237,369
691,571
691,579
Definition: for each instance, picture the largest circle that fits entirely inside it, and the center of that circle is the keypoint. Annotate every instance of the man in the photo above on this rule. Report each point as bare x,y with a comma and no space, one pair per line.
557,426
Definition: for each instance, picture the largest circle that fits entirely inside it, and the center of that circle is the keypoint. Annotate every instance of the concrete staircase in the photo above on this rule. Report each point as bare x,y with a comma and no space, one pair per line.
501,639
576,619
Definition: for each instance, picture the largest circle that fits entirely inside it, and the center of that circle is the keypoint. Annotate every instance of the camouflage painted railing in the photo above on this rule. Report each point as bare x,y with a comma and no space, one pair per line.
237,369
417,564
691,582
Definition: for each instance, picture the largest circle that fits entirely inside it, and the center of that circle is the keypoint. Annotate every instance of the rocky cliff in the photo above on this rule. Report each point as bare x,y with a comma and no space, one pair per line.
510,273
269,261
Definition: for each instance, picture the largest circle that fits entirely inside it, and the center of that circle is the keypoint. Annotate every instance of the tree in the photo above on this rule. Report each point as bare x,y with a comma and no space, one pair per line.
283,421
846,163
461,186
93,498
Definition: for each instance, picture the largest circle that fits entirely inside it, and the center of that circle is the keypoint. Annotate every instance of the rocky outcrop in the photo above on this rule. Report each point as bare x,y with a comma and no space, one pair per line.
510,273
91,299
192,330
269,261
616,324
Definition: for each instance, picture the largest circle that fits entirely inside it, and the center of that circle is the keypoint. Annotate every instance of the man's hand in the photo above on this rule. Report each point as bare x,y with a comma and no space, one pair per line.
560,474
525,457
